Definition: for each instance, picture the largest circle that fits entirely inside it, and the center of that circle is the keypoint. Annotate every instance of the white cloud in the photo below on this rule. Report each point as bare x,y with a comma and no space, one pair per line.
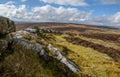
115,18
67,2
99,20
49,13
10,10
43,13
110,1
7,9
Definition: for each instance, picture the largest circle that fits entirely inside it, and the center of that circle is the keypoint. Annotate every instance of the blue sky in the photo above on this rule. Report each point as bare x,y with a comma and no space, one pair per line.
98,12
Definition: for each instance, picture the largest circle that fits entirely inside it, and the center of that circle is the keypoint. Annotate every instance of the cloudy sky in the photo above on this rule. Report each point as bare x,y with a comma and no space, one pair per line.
98,12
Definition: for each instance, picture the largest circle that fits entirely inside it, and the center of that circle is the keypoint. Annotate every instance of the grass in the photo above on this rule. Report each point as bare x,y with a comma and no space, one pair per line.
101,42
92,63
28,64
24,64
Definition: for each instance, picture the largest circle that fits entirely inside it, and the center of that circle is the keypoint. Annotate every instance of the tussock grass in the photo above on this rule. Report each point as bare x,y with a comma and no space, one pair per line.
92,63
24,64
29,64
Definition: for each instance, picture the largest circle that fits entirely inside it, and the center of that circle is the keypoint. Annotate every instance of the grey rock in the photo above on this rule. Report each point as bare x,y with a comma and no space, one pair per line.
9,38
3,46
17,41
31,30
44,55
6,26
59,56
24,44
4,43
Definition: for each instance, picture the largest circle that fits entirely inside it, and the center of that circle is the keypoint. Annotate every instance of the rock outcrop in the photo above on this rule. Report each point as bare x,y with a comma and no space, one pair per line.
18,41
24,44
59,56
3,46
6,27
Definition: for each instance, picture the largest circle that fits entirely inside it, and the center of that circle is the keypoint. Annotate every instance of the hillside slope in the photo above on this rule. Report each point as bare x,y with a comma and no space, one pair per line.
70,50
95,50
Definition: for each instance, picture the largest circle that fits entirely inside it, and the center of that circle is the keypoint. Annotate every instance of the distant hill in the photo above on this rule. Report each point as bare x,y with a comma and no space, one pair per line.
107,27
43,23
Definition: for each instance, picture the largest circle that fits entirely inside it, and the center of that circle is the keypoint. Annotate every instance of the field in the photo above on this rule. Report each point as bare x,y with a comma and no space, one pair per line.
95,50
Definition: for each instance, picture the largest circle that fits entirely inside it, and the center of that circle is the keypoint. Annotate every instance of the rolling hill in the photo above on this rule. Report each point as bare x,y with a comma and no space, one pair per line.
96,51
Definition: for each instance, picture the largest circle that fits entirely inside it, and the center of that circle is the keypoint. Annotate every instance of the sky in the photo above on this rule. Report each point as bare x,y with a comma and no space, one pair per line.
96,12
